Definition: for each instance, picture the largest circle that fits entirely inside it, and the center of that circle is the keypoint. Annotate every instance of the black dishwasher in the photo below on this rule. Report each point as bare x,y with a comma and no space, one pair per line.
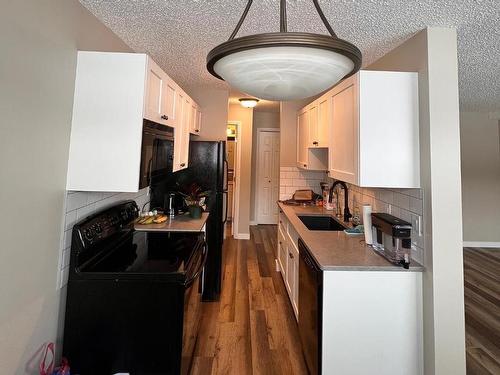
310,309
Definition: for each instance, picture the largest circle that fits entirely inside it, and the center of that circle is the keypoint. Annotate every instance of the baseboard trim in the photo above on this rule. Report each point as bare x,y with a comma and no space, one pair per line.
242,236
482,244
254,222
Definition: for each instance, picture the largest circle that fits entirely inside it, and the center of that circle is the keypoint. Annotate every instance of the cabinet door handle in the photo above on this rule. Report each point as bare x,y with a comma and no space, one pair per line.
164,117
290,255
315,143
183,164
197,130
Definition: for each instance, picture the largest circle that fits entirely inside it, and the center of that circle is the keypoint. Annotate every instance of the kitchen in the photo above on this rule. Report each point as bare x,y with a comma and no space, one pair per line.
79,182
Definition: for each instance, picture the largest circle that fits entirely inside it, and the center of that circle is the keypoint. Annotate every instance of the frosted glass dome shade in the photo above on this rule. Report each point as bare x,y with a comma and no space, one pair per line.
283,72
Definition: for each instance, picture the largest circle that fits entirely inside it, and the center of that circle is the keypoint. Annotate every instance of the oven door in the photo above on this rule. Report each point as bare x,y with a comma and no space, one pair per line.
192,312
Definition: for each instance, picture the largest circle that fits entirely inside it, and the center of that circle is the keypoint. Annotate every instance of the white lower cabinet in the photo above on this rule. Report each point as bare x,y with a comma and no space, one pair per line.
288,260
372,323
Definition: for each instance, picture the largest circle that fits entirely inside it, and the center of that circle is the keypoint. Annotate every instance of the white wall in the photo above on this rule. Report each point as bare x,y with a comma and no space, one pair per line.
39,40
214,104
433,54
260,120
480,140
245,116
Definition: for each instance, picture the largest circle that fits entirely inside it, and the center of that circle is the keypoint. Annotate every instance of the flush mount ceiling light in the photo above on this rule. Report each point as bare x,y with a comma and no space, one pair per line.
248,102
284,65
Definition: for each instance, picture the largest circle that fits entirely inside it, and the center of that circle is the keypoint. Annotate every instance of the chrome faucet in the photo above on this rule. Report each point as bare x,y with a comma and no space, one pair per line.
347,213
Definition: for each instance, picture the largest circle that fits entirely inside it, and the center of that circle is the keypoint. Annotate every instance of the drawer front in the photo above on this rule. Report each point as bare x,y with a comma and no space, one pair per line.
283,222
282,255
293,235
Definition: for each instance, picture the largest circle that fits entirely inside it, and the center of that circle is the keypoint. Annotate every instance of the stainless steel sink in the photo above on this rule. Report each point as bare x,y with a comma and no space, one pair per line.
321,223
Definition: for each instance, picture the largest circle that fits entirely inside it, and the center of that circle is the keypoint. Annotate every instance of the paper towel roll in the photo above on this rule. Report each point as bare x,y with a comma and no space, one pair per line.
367,223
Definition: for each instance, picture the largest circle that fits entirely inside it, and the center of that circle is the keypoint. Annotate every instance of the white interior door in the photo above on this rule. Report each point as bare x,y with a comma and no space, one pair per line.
268,170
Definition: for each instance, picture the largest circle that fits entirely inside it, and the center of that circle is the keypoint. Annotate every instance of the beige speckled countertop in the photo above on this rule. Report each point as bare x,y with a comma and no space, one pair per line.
335,250
180,223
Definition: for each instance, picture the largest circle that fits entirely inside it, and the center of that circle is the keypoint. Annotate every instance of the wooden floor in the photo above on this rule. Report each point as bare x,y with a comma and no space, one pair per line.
482,310
252,329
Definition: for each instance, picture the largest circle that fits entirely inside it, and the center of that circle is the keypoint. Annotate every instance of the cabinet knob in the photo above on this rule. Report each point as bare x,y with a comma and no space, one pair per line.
290,255
305,165
164,117
315,143
183,164
197,130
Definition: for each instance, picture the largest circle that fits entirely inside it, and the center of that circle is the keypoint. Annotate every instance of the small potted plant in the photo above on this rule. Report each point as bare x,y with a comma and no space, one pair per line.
195,199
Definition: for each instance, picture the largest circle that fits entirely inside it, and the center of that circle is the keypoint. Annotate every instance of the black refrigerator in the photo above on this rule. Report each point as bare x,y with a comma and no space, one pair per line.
207,168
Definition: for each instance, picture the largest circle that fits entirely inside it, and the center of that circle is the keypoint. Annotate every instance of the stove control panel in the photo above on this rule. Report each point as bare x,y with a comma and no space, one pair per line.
106,223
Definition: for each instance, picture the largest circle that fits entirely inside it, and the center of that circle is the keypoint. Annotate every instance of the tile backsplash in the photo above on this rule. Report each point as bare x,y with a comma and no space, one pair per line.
406,204
80,204
292,178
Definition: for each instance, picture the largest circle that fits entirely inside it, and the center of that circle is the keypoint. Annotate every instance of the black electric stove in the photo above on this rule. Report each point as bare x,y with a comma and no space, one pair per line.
133,301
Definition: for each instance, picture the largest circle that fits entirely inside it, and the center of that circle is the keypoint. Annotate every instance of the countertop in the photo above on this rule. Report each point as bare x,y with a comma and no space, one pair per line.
180,223
335,250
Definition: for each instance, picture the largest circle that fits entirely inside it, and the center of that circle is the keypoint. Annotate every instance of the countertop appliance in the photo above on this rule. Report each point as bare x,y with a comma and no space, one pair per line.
157,152
207,168
133,298
392,238
310,309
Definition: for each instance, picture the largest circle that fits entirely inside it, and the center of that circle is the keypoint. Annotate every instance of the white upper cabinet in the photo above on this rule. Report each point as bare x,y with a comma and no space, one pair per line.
114,92
322,130
195,119
160,101
343,153
374,129
309,154
181,142
302,137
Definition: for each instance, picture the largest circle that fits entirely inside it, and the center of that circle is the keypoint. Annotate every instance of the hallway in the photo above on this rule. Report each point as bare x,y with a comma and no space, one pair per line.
252,329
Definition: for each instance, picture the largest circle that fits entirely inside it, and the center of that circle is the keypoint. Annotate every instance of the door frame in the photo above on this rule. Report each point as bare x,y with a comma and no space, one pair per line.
236,181
257,179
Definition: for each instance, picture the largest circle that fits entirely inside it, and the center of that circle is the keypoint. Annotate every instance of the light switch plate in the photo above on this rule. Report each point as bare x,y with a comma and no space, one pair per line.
416,223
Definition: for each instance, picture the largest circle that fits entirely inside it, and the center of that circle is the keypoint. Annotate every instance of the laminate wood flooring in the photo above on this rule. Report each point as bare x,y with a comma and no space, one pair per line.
482,310
252,328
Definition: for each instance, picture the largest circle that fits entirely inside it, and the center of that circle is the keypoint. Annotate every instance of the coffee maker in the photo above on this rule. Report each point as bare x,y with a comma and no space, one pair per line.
392,238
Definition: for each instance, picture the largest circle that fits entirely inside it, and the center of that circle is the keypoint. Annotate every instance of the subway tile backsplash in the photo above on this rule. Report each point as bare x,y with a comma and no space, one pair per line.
79,205
292,178
407,204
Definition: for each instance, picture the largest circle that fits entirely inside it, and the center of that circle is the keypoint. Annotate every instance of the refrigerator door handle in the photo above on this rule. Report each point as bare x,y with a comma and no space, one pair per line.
226,171
226,203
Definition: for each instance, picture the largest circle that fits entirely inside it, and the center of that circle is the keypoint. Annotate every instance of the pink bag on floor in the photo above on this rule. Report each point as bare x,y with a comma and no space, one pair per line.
46,368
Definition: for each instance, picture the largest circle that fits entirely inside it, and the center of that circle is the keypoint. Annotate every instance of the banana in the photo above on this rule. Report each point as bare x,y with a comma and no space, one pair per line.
160,219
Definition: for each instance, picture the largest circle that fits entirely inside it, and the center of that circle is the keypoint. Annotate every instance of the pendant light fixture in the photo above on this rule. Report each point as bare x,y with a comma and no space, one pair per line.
248,102
284,65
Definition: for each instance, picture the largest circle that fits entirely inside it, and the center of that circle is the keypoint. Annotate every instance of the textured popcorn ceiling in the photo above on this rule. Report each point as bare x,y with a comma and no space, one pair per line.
179,34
